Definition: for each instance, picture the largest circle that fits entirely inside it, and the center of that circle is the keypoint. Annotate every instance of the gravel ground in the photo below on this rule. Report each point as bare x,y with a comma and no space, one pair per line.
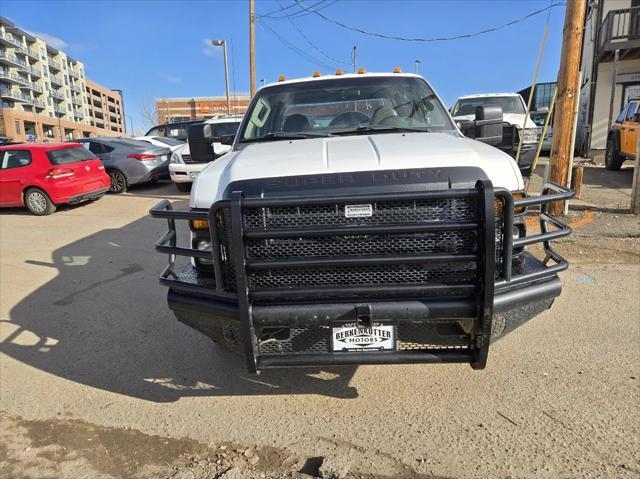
99,380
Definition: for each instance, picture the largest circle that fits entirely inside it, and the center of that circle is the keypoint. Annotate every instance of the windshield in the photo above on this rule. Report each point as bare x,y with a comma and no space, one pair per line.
224,129
344,106
509,104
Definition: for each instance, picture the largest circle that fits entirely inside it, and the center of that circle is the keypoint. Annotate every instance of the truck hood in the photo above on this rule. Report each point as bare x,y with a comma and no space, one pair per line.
516,119
391,151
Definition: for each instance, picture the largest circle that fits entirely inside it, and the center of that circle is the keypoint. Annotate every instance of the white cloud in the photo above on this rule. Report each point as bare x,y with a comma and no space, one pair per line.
55,42
169,78
210,50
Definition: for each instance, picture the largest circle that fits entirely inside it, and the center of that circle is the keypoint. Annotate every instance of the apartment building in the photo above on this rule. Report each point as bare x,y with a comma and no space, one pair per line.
181,109
44,93
610,69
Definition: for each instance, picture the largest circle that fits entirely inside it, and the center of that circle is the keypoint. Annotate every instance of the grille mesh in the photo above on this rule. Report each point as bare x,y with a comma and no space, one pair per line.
384,213
446,273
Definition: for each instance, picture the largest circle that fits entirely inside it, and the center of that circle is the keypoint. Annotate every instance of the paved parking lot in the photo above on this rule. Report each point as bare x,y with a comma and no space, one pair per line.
99,380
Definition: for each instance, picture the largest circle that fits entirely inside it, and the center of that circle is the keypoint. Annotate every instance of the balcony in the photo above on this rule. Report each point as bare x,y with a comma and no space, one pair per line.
14,95
26,51
12,78
56,80
76,87
8,39
74,73
34,87
59,111
10,59
77,101
620,30
34,71
54,65
39,104
56,95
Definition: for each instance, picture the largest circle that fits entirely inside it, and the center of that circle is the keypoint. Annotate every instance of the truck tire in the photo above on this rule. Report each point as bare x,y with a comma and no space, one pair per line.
38,202
183,187
612,158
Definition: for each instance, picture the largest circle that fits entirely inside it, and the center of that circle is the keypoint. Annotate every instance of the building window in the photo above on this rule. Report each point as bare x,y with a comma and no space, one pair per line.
17,127
49,101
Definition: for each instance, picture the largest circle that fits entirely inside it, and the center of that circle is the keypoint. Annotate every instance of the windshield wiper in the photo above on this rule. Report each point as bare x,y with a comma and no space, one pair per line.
363,129
284,135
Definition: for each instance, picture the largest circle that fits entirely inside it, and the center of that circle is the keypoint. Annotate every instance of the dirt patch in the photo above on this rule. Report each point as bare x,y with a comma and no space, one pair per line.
62,448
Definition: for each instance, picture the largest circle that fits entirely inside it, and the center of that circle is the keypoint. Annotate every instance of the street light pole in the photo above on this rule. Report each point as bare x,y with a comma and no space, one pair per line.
418,63
223,44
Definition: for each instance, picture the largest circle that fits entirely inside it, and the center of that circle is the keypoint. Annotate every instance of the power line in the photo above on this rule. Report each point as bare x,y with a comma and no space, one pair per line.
314,46
300,52
300,13
436,39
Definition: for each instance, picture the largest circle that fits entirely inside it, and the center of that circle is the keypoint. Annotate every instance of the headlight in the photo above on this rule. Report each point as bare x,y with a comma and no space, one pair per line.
175,158
203,245
530,135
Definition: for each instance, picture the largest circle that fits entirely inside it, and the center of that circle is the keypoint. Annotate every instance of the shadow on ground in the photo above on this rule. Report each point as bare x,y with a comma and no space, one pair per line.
103,321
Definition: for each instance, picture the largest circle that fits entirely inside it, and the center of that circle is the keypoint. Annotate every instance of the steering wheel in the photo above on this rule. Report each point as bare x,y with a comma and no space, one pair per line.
348,119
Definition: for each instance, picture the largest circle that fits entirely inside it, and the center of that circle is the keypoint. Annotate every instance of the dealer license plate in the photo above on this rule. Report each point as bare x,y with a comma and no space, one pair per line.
193,174
349,337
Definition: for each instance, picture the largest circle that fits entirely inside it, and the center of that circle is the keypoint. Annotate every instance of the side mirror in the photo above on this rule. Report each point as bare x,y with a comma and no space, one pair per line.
200,137
544,109
488,124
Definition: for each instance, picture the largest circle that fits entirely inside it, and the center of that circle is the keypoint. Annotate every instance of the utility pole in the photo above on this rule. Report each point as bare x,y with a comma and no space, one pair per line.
354,58
252,45
568,88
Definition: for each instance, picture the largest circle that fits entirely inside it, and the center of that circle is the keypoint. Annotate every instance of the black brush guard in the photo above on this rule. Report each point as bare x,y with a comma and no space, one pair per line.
230,292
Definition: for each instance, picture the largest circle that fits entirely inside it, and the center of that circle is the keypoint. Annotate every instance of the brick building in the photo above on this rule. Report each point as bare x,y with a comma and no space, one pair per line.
181,109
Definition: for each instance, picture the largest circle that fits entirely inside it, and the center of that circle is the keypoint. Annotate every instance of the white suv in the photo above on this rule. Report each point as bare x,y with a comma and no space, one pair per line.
183,169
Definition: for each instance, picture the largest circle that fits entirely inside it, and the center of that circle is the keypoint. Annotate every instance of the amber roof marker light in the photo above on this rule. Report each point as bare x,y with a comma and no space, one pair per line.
339,71
316,74
282,78
397,70
362,71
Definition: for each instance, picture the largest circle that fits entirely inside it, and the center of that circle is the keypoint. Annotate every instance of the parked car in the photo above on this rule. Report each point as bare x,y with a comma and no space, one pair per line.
41,177
539,117
184,167
513,112
352,223
162,141
129,162
623,137
177,130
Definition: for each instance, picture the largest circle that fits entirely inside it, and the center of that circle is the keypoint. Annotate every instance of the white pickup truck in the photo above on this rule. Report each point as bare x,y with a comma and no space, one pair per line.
517,123
352,223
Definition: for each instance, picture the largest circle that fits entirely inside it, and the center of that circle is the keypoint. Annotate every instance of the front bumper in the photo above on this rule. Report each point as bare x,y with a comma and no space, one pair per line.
182,173
435,322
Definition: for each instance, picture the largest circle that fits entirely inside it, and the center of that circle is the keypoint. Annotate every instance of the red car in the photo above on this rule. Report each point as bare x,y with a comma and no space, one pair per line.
42,176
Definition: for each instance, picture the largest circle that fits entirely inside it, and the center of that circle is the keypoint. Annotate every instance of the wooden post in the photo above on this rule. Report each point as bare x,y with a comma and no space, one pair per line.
568,85
576,180
252,46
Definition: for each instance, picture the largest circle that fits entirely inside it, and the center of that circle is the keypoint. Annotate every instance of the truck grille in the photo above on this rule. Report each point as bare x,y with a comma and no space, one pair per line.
299,243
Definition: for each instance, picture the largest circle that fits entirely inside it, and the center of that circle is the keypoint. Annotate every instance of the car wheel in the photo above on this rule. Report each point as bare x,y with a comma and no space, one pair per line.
118,182
38,202
184,187
612,158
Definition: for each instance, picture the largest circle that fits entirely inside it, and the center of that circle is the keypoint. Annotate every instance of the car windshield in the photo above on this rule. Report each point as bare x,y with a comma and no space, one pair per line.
65,156
224,129
509,104
344,106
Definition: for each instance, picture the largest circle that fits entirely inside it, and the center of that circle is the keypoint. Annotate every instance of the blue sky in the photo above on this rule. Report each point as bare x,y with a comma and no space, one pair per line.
154,49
